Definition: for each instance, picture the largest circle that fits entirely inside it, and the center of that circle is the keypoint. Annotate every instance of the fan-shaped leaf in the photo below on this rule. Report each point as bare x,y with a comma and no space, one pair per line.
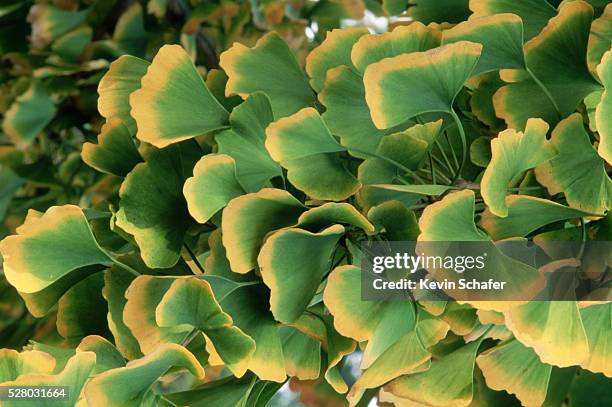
173,102
115,152
303,144
267,67
212,186
440,72
249,218
603,113
123,78
512,153
292,284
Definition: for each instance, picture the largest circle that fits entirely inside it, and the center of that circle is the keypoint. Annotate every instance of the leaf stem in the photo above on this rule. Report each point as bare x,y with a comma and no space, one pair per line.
392,162
546,92
433,169
463,144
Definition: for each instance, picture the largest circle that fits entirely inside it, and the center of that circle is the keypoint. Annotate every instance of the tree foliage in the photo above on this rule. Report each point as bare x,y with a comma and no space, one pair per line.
198,241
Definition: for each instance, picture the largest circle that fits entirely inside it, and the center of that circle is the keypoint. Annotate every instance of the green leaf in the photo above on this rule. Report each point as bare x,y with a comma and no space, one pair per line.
512,367
376,194
599,43
247,219
130,32
501,36
597,322
440,72
334,51
173,102
455,370
107,356
374,48
73,376
48,247
397,221
604,108
512,153
347,115
553,329
526,214
123,78
534,13
152,207
292,263
303,144
28,115
115,152
71,45
557,58
116,282
82,310
577,170
439,11
191,302
212,186
244,142
109,388
50,22
380,323
267,67
14,364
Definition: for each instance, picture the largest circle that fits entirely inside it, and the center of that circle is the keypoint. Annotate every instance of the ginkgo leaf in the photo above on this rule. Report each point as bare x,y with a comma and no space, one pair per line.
212,186
109,389
439,11
455,370
28,115
373,48
82,310
534,13
347,115
107,356
526,214
267,67
330,213
191,302
407,149
408,355
563,44
577,170
604,108
597,322
173,102
399,222
115,152
116,282
292,284
334,51
440,72
512,367
375,194
152,207
71,45
380,323
244,142
49,22
303,144
601,30
501,36
553,329
73,376
49,247
130,33
13,364
512,153
122,78
249,218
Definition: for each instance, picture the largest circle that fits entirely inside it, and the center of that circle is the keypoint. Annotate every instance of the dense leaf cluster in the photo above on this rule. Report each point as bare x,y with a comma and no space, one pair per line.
217,254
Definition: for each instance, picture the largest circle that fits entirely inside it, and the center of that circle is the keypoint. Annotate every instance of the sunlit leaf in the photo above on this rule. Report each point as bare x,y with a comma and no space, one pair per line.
173,102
